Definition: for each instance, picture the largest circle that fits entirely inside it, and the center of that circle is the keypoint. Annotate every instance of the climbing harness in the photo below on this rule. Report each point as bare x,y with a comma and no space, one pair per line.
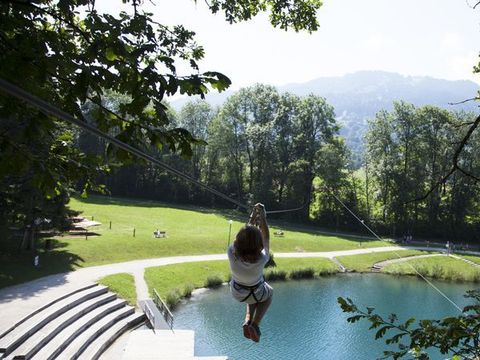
237,286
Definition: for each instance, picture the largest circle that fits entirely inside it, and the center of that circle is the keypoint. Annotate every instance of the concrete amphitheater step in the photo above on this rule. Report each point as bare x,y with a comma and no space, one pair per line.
28,327
80,343
97,347
64,338
144,344
162,344
44,335
57,299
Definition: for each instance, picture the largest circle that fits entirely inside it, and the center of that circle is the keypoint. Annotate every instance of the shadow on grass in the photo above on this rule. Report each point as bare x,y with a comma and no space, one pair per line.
18,267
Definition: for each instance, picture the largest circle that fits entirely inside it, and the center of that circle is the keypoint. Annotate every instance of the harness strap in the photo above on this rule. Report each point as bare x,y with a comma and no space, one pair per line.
251,289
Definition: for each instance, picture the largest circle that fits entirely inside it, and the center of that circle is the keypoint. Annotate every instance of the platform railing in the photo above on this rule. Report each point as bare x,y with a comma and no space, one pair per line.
163,308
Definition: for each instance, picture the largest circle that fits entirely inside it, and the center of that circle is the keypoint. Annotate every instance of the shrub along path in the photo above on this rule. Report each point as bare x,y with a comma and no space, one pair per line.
20,300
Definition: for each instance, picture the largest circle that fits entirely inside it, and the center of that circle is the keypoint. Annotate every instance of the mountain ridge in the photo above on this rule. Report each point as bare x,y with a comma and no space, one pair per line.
358,96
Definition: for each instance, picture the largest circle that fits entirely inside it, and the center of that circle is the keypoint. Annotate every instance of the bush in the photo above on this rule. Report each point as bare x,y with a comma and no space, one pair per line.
326,272
273,275
173,297
213,281
476,277
306,273
422,270
437,272
187,290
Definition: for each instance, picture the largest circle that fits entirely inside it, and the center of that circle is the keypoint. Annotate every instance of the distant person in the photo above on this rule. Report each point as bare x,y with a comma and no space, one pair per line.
447,245
248,256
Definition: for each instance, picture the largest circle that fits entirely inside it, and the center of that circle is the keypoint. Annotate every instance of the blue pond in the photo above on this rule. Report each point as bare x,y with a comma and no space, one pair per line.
305,320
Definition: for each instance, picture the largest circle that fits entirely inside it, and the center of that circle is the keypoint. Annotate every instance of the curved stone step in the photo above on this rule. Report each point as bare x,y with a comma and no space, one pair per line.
75,348
46,306
380,265
97,348
63,339
40,338
34,323
376,268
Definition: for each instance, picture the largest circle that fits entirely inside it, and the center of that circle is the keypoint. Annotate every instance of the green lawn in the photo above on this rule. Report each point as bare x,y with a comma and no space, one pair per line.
364,262
185,277
442,267
190,230
123,284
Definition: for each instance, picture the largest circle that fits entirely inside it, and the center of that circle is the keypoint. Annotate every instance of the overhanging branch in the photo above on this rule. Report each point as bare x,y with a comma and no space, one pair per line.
455,165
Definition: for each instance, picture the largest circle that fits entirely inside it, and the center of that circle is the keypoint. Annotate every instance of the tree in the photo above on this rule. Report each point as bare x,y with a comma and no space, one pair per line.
283,133
315,125
409,149
69,54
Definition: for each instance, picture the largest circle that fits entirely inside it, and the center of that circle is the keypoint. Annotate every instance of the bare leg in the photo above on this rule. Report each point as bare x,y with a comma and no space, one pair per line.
248,317
261,309
251,308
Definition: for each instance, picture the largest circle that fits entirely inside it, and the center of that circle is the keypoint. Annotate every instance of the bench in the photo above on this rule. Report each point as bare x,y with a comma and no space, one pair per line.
160,234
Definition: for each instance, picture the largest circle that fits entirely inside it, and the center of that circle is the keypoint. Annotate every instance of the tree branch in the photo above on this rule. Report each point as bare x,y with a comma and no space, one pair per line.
455,165
468,174
464,101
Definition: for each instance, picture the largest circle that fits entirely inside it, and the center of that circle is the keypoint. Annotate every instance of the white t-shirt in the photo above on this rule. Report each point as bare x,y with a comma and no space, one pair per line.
246,273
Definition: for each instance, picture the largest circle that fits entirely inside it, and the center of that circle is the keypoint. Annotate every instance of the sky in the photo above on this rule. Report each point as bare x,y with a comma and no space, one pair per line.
437,38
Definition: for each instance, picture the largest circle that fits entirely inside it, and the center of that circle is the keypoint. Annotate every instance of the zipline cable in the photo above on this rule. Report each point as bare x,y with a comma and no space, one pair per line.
54,111
287,210
60,114
379,238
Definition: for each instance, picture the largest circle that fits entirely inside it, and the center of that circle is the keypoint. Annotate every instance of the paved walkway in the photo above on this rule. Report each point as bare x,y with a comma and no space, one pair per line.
20,300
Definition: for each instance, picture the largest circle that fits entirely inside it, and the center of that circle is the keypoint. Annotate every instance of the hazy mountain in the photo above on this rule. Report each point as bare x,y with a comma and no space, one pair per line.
357,97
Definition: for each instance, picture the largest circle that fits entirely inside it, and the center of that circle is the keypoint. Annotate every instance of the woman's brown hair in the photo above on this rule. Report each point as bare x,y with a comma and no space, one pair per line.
248,244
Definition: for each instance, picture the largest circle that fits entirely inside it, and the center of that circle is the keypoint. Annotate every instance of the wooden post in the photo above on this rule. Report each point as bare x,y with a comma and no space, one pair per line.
86,234
133,232
92,217
110,225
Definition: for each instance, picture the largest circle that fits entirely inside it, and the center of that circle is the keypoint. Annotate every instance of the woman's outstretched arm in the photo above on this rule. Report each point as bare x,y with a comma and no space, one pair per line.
262,217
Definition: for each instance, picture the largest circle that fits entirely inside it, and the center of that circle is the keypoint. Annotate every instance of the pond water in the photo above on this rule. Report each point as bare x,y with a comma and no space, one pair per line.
305,320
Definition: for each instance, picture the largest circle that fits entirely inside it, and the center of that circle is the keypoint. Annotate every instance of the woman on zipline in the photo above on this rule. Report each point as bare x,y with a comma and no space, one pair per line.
248,256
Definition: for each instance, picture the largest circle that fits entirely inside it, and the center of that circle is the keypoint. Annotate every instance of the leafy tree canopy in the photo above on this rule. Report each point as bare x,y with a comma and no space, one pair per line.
68,53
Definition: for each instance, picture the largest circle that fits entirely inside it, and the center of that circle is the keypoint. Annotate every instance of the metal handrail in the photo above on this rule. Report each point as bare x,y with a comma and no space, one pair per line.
163,308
